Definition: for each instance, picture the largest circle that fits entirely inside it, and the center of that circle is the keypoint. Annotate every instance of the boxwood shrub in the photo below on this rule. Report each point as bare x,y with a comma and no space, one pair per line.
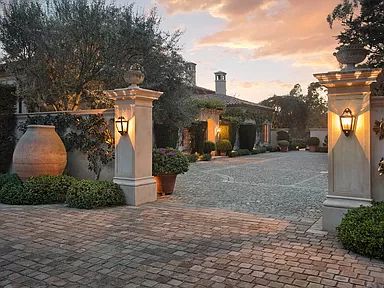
209,146
205,157
313,141
89,194
5,178
48,189
232,154
362,231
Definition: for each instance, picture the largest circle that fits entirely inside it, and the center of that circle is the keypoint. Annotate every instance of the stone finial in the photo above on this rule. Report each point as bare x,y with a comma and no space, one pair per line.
134,76
350,55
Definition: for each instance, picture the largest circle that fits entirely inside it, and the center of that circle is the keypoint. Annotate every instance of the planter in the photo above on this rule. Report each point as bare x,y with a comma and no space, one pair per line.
283,148
165,184
351,55
39,151
313,148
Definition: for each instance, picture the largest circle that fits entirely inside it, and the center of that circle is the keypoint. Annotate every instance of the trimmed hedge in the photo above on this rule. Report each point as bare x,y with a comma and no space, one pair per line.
313,141
362,231
89,194
205,157
5,178
247,135
7,126
232,154
197,133
283,143
223,146
36,190
165,135
208,147
282,135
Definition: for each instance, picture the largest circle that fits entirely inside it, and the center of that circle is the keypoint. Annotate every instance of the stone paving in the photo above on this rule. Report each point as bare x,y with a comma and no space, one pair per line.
170,245
292,184
185,241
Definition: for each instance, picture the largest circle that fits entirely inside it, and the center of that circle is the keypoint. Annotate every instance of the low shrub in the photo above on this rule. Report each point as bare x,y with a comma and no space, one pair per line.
223,146
89,194
322,149
282,135
168,161
192,158
243,152
205,157
297,143
5,178
208,147
362,231
313,141
259,150
48,189
232,154
13,193
283,143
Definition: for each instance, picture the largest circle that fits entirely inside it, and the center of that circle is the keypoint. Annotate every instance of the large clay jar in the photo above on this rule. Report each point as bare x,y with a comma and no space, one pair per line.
39,151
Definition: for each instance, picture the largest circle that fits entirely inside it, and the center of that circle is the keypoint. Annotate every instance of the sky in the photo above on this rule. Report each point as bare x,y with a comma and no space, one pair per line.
264,46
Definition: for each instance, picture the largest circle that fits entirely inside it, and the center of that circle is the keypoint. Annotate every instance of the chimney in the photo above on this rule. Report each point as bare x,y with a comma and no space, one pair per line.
220,83
191,72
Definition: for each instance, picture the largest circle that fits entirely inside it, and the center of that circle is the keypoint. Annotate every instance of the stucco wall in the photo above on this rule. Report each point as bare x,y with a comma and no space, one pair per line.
77,164
319,133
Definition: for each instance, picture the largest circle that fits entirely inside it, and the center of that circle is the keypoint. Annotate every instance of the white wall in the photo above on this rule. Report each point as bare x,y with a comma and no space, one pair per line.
319,133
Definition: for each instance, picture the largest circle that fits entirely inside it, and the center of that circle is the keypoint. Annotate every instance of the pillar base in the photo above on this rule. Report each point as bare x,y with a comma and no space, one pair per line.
137,191
335,208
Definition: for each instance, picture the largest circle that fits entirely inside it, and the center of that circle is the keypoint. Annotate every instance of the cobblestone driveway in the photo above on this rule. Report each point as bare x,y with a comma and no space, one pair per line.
168,245
290,184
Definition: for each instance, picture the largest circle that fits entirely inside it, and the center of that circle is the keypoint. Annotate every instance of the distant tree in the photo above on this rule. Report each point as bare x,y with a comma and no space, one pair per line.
317,105
290,112
362,22
296,91
64,53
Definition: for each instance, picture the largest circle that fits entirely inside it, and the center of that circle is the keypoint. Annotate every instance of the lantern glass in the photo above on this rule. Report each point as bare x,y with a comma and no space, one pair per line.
122,125
347,122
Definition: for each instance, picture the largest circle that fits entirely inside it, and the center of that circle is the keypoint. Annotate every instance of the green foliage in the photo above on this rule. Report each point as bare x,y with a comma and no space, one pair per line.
192,158
209,104
48,189
168,161
271,148
325,142
297,143
283,143
234,115
165,135
232,154
317,106
205,157
209,146
89,134
259,150
13,193
198,131
247,135
36,190
313,141
6,178
7,126
362,231
62,65
282,135
223,146
362,22
90,194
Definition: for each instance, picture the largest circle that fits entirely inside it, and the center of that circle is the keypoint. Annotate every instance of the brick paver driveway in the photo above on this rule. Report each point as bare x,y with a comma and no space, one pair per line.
169,243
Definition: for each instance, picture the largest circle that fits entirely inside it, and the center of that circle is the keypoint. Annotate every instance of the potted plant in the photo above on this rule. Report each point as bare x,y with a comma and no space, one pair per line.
223,147
313,143
208,147
283,145
167,163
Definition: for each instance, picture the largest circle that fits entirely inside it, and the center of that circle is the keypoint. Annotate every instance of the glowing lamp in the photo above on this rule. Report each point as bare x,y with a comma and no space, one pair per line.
122,125
347,122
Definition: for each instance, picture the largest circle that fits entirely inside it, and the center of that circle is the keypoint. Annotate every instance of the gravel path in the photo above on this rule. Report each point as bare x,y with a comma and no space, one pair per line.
289,185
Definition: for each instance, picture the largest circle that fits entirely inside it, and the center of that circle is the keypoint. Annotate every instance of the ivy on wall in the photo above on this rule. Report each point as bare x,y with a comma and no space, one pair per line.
7,126
90,134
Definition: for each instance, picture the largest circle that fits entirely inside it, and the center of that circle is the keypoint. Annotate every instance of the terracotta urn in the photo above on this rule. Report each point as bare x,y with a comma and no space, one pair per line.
39,151
165,184
312,148
351,55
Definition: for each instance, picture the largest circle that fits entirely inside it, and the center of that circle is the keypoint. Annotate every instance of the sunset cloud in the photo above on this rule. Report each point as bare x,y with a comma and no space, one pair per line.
294,29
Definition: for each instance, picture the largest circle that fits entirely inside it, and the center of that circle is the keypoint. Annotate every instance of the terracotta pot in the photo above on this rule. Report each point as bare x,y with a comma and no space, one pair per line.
165,184
312,148
283,148
39,151
351,55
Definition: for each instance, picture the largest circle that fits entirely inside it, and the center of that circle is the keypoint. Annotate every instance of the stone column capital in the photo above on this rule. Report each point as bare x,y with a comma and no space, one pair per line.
133,93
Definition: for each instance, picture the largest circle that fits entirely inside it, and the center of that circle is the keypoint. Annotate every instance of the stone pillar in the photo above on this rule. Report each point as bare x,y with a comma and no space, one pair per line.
349,158
133,151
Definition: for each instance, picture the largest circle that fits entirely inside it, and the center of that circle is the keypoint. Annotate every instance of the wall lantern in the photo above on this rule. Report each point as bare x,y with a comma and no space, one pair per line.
122,125
347,121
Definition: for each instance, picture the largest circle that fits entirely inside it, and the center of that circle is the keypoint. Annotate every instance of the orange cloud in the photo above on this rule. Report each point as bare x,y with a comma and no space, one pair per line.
270,28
